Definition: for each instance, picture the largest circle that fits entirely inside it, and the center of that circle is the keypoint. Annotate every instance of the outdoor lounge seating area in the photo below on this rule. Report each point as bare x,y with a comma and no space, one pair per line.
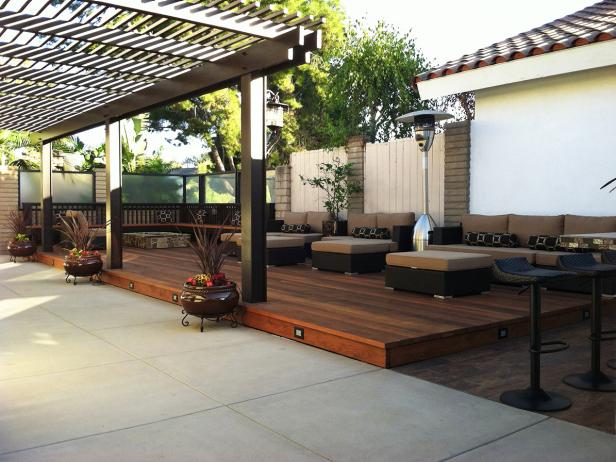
229,238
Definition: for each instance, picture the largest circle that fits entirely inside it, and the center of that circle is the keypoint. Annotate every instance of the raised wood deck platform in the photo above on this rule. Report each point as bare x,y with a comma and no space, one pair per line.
355,316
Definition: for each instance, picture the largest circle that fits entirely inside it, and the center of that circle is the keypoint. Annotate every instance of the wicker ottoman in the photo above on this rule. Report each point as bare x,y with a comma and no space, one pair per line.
155,240
351,255
281,251
439,273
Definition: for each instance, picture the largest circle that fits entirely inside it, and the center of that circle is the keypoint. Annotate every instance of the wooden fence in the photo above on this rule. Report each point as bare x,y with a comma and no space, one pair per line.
393,177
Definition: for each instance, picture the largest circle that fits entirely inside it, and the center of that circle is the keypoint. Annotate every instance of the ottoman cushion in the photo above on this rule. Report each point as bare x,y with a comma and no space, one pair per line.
279,242
439,261
351,246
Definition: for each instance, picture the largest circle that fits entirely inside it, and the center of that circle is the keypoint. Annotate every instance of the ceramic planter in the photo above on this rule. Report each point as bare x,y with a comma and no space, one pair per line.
213,303
89,266
24,249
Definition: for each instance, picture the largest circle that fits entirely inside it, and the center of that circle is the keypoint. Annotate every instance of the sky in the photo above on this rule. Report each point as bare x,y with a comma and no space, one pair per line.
443,30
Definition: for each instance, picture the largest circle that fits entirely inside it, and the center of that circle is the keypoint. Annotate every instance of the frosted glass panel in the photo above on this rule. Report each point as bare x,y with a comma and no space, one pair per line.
30,187
270,186
74,188
192,189
151,189
220,189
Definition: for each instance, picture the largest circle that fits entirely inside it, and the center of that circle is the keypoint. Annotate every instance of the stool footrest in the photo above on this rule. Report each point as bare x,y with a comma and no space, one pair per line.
557,344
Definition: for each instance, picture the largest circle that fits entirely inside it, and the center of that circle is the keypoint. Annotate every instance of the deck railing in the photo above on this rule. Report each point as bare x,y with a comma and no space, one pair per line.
149,214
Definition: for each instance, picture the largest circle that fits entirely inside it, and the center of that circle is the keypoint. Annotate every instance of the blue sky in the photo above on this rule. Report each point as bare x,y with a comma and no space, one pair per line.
443,30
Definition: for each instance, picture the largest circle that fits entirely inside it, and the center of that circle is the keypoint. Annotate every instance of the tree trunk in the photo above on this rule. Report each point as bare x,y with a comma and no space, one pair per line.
216,160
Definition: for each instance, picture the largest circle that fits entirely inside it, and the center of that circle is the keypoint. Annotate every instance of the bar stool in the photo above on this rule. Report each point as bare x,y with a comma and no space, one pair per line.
585,265
609,257
519,271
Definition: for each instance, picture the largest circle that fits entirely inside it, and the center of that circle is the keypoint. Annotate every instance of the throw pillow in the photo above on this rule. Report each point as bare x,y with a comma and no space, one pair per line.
370,233
165,216
298,229
544,242
483,239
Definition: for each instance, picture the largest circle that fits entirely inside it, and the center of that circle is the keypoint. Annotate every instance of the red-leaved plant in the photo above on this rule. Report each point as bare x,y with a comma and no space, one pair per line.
78,235
210,251
18,224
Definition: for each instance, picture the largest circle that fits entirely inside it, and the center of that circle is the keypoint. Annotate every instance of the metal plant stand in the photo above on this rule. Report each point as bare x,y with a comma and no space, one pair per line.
226,317
95,278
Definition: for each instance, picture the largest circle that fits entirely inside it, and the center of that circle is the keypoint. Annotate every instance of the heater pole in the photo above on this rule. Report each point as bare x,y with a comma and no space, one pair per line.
425,185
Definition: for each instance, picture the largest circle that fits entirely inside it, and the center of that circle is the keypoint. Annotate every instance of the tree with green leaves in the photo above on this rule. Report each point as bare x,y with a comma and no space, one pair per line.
18,150
370,85
214,119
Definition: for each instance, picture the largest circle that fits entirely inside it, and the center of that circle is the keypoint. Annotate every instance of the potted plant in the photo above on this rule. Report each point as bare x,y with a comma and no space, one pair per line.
335,180
209,294
20,245
81,260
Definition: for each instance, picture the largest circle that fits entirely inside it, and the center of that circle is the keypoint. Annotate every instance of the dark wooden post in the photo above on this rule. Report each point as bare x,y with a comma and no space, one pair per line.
46,199
113,171
201,189
254,274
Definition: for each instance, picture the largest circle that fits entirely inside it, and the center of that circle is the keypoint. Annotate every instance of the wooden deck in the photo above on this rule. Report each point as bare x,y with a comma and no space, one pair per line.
355,316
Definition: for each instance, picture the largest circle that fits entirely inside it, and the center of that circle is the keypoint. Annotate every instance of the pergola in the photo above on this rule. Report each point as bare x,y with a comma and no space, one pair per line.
69,65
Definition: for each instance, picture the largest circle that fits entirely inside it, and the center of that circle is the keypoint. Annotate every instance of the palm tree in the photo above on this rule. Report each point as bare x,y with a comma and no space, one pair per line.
134,142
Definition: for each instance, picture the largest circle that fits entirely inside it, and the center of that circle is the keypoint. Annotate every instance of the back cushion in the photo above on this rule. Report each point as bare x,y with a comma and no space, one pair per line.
389,220
316,219
295,218
576,224
484,223
360,220
525,226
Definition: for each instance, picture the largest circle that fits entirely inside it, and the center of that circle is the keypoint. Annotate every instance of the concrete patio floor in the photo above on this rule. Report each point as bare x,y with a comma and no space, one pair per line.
97,373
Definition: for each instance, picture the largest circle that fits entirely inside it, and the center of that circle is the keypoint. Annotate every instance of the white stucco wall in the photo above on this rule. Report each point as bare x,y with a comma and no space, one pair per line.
545,146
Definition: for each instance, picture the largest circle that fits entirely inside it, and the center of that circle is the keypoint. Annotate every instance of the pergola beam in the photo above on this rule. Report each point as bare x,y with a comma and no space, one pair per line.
260,59
203,15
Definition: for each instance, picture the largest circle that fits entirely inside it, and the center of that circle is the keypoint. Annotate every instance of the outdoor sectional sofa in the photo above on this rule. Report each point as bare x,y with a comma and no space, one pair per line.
451,238
351,255
282,247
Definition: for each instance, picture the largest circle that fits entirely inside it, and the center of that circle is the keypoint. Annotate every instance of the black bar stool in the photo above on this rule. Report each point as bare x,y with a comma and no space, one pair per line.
519,271
609,257
585,265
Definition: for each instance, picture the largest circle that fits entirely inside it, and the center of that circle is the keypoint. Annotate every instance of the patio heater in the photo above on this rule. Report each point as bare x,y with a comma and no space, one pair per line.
274,119
423,127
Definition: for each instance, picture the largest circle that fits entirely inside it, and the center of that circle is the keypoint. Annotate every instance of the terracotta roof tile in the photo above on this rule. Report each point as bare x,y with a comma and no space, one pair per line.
595,23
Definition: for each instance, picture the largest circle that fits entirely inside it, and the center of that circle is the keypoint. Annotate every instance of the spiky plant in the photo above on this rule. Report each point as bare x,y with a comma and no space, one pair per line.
77,234
210,252
18,224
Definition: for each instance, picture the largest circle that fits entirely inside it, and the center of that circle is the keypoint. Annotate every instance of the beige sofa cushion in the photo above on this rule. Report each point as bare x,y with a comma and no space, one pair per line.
355,246
494,252
230,237
389,220
485,223
576,224
279,242
525,226
360,220
437,260
316,219
295,218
